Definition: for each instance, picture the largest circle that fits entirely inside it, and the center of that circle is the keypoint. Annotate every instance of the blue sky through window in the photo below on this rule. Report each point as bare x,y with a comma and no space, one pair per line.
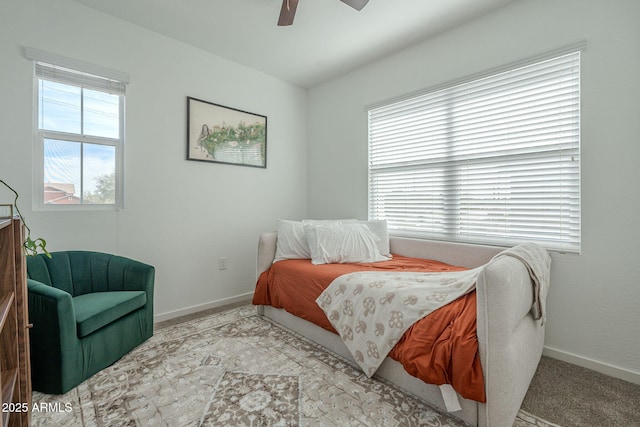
66,161
101,114
84,112
60,107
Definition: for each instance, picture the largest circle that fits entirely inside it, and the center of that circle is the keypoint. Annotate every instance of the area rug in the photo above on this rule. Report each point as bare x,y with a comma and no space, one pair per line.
236,369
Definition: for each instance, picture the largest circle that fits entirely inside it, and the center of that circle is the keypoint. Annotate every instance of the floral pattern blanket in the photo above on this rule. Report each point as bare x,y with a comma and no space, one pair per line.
372,310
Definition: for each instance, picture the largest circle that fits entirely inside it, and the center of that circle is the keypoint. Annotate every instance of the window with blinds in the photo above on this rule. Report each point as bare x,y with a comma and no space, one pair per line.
79,135
493,160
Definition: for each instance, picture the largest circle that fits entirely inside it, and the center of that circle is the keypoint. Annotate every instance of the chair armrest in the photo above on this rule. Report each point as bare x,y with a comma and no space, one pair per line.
51,313
55,347
138,276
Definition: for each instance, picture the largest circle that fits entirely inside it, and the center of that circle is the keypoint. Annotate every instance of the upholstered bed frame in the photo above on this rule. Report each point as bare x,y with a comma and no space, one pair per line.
510,341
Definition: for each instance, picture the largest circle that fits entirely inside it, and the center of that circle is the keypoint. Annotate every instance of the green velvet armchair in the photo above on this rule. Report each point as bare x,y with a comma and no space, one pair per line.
88,309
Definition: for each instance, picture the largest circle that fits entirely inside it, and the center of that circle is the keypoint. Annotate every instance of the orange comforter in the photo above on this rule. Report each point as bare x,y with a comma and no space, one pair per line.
441,348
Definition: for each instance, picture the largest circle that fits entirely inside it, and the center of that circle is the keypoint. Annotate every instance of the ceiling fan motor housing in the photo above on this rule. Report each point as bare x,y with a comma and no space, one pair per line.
288,9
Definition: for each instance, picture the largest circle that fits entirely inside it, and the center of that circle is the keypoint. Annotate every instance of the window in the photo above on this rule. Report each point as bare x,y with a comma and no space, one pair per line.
79,137
493,160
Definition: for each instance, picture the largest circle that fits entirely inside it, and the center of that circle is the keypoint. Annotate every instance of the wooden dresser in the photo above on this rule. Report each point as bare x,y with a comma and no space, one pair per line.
15,372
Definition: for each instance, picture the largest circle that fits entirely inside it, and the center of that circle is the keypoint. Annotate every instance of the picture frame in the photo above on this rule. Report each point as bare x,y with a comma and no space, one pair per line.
221,134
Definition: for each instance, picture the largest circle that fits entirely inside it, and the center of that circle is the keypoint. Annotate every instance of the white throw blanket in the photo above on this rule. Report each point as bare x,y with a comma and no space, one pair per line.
538,263
372,310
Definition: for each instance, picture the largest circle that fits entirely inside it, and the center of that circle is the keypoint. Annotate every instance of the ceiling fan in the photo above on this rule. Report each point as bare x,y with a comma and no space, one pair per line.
288,10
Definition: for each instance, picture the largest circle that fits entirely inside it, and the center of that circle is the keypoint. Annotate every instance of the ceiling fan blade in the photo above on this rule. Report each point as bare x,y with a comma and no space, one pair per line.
287,12
356,4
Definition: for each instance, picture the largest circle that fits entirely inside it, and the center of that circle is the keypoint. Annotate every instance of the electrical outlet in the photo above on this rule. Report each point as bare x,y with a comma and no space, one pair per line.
222,263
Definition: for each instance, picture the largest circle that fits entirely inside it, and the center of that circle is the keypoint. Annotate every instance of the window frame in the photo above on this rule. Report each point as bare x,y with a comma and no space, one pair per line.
457,234
40,135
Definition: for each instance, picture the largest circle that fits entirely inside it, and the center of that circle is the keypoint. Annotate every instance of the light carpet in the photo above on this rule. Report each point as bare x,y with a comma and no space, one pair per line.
237,369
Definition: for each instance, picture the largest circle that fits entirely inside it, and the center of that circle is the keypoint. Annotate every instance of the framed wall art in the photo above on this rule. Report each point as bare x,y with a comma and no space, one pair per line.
220,134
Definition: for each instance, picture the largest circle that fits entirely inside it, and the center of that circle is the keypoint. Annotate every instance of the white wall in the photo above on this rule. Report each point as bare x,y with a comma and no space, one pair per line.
594,302
179,215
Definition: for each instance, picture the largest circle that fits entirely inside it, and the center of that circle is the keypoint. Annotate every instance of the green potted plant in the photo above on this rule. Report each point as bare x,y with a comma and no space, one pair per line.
31,247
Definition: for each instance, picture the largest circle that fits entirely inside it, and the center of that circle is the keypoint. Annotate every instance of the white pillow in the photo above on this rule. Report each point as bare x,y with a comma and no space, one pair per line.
342,243
291,242
379,228
327,221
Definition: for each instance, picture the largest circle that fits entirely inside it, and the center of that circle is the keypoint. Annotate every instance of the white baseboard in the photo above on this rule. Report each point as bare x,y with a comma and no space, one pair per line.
200,307
594,365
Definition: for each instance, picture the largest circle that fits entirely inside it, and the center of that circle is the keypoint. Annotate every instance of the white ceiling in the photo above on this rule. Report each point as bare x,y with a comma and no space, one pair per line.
326,39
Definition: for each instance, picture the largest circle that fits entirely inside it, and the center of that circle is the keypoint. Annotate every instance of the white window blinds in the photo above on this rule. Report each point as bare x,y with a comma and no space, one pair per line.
68,70
69,76
494,160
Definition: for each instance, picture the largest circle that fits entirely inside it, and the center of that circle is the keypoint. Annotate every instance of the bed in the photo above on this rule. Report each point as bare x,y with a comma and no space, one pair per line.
509,339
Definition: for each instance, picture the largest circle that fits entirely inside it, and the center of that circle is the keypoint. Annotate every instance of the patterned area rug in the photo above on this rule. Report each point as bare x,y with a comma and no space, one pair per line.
236,369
